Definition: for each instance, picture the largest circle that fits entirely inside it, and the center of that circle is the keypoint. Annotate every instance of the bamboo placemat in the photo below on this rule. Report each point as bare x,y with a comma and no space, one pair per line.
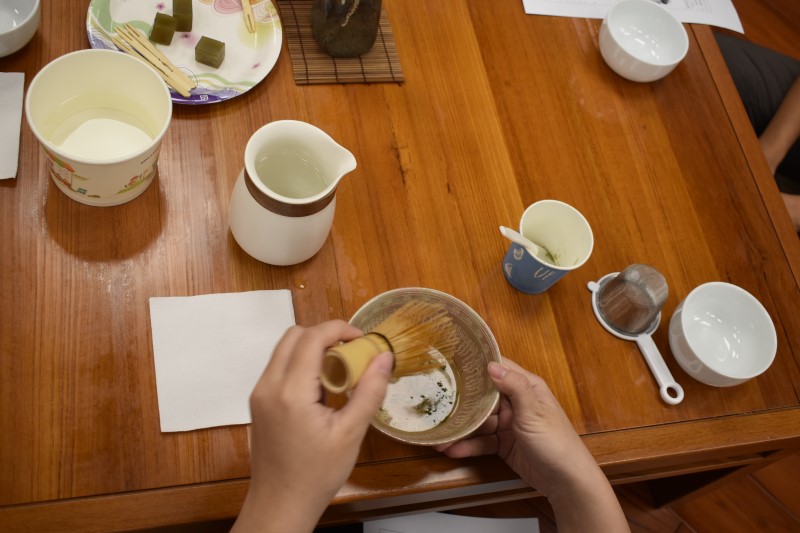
311,65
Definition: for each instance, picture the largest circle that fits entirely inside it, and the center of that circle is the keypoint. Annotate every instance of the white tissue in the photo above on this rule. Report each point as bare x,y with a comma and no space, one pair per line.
210,351
11,84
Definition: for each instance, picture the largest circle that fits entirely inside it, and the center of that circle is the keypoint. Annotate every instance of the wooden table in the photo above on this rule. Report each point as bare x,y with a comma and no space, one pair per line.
498,110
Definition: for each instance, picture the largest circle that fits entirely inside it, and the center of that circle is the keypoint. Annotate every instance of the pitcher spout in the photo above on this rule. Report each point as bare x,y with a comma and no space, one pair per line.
337,161
295,162
345,162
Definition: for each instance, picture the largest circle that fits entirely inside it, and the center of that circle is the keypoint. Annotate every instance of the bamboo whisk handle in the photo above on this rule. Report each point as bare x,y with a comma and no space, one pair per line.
344,365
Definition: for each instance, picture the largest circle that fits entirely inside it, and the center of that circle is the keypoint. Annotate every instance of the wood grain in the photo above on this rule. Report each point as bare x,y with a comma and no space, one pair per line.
728,509
771,23
780,480
498,110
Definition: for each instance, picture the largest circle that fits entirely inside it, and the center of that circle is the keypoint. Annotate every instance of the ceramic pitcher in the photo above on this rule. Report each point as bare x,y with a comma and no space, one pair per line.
283,202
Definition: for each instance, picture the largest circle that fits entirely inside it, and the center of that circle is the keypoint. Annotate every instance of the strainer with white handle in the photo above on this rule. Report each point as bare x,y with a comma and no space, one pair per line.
628,305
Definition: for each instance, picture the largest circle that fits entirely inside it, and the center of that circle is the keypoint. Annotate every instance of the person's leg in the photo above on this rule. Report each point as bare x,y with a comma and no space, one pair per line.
762,78
792,202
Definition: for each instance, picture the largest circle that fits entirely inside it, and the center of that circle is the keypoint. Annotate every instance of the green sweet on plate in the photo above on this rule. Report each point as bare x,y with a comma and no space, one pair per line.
209,52
182,12
163,29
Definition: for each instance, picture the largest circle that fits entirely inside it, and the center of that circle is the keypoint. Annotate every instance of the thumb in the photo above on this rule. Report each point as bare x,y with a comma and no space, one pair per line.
369,393
515,385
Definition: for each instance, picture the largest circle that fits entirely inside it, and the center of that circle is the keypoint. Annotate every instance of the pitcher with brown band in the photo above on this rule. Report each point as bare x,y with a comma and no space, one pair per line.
283,202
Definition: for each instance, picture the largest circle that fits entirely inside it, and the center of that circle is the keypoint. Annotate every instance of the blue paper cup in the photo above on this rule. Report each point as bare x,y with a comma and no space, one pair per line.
560,229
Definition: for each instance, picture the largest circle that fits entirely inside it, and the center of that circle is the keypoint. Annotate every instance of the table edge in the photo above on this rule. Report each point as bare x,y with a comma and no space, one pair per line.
625,455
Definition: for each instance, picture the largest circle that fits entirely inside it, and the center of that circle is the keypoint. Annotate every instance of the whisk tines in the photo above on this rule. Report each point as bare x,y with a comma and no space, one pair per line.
422,338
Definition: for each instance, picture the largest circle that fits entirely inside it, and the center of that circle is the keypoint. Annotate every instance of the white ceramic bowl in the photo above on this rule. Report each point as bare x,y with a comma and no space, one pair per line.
641,41
19,20
721,335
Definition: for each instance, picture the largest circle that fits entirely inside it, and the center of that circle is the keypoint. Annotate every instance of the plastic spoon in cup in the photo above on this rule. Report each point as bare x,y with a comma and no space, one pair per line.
518,238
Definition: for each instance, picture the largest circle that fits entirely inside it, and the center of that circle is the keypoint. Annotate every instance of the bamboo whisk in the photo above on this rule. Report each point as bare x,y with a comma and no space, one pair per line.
414,333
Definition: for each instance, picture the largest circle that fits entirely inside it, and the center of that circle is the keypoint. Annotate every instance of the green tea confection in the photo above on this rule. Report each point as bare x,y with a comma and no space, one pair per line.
182,11
209,52
163,29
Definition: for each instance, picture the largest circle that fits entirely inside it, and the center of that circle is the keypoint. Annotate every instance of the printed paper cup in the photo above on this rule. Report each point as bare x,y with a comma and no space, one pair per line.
565,238
100,116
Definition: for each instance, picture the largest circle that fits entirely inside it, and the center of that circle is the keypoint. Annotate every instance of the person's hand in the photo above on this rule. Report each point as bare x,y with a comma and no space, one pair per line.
529,431
533,435
302,450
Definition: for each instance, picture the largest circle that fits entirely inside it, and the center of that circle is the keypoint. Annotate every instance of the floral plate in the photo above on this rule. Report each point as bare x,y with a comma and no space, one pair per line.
249,57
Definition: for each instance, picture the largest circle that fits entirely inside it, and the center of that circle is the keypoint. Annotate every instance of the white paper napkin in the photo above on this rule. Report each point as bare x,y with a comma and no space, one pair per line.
11,84
210,351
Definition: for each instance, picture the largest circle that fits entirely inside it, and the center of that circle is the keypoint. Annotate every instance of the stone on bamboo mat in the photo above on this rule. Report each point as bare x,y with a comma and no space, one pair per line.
312,65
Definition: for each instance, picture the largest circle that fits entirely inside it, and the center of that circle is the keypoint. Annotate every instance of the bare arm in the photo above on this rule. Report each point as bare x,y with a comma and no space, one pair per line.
533,435
302,450
784,128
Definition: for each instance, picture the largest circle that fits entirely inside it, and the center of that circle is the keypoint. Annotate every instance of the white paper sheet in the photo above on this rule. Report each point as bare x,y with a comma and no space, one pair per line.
713,12
11,84
210,351
447,523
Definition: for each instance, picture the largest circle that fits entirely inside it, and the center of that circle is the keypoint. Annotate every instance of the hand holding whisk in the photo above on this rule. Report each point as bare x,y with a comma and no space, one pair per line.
419,334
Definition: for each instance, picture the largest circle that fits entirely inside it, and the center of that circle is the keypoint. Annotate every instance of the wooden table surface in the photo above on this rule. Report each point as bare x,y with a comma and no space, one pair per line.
498,110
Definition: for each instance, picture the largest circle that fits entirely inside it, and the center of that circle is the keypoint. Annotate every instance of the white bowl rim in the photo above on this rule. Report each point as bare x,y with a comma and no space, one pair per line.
684,37
34,9
763,314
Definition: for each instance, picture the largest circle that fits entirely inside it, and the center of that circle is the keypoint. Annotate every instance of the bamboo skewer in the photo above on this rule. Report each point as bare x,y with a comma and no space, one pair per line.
145,42
169,73
178,85
145,48
249,18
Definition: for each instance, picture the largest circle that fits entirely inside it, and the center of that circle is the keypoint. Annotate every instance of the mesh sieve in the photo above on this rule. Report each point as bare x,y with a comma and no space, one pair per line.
631,301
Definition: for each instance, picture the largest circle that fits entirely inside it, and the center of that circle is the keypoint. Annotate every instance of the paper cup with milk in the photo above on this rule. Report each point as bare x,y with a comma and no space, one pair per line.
100,116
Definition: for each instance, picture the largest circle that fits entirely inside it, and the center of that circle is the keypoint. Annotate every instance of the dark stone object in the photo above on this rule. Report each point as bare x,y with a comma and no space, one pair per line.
345,28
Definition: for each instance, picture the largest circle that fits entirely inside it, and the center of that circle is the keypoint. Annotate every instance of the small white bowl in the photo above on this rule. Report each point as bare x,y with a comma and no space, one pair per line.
19,20
722,336
642,41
